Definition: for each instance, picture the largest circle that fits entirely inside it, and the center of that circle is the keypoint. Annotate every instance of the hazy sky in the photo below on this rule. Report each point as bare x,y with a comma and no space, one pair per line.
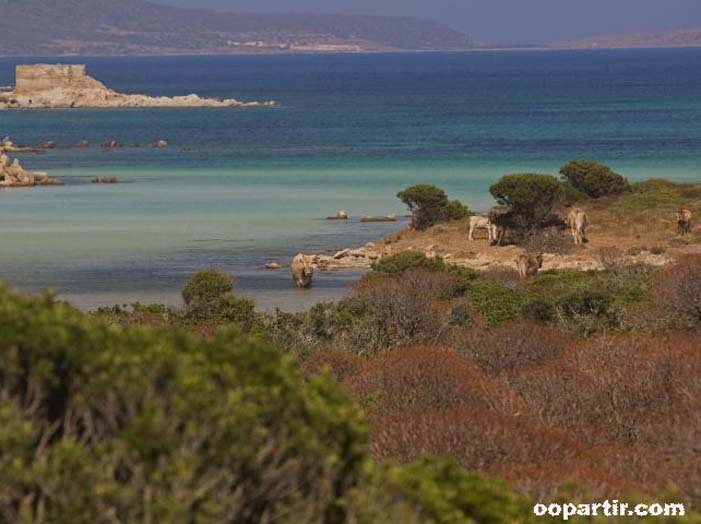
500,21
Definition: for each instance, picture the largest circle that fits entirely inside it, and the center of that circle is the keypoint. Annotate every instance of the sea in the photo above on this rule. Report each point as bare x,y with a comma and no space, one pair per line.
239,188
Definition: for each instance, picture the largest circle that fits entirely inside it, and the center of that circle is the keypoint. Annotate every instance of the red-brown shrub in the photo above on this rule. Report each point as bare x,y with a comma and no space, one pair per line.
400,310
421,377
678,291
481,440
578,479
514,345
606,388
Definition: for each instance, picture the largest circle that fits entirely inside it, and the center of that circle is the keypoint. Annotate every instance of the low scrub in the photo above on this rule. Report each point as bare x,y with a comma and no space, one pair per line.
651,195
587,302
678,292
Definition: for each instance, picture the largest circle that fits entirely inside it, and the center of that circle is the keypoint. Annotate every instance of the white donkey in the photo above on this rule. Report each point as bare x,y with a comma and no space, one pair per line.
482,222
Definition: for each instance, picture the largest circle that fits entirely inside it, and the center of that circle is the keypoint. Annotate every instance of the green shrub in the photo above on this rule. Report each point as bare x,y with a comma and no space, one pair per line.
593,179
207,286
446,494
400,262
495,302
571,195
587,302
155,425
209,296
456,210
405,260
429,205
531,197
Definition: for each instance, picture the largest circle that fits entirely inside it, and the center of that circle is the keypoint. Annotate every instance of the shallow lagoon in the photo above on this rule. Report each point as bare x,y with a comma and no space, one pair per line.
351,132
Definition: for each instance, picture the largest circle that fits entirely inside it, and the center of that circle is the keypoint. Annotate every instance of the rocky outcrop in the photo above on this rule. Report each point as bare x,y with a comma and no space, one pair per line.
12,174
68,86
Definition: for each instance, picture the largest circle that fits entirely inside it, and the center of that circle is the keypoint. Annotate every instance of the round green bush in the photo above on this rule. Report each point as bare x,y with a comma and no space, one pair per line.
594,179
206,286
530,196
429,205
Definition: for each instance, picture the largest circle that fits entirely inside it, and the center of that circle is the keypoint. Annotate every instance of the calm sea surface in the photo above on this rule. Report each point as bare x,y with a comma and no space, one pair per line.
352,130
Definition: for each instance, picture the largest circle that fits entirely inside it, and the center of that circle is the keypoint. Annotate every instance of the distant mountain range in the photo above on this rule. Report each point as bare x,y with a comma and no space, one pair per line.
130,27
677,38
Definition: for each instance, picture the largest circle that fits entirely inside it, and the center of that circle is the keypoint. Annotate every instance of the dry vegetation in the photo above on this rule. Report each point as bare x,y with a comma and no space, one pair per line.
584,383
611,415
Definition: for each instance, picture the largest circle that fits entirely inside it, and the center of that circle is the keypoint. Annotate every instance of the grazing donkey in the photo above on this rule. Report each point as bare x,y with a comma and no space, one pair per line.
578,222
684,226
528,264
501,218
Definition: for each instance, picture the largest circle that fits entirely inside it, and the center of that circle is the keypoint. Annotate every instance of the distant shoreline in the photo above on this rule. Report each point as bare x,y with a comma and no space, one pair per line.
363,52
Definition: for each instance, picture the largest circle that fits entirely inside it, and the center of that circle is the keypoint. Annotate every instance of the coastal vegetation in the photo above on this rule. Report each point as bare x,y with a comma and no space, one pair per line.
429,205
333,415
531,197
433,393
593,179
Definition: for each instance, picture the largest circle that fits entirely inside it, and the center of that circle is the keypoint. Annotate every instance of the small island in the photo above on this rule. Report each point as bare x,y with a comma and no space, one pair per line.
45,86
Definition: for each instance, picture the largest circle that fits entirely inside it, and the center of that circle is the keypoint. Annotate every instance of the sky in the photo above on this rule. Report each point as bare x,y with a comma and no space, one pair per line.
500,21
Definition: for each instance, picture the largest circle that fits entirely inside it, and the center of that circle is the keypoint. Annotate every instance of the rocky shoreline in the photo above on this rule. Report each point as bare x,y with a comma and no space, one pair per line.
479,255
362,258
68,86
12,174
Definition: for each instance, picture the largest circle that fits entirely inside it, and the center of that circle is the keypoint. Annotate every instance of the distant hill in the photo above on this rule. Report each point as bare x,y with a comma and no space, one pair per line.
677,38
124,27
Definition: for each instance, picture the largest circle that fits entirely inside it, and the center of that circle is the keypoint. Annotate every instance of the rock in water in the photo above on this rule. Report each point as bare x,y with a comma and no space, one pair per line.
388,218
340,215
12,174
303,270
105,180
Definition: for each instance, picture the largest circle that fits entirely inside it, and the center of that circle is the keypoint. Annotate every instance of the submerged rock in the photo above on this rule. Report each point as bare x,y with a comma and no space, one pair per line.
388,218
104,180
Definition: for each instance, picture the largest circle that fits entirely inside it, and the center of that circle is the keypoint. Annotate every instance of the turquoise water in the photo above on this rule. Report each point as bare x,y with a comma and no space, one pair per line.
351,131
